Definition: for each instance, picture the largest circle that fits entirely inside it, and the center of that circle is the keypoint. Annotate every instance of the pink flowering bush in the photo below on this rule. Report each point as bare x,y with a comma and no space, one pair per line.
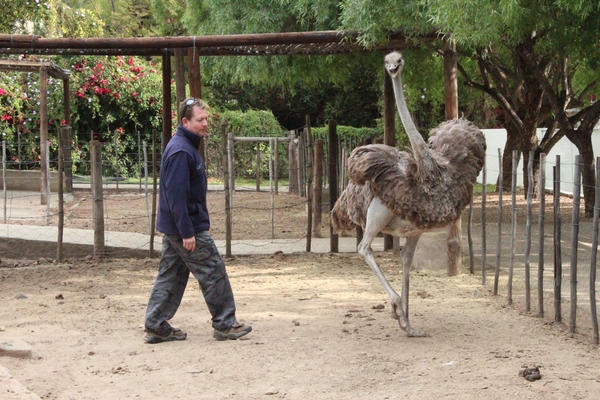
116,100
19,116
113,99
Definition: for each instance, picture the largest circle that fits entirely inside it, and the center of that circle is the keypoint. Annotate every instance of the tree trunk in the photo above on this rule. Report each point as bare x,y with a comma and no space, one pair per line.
524,142
583,142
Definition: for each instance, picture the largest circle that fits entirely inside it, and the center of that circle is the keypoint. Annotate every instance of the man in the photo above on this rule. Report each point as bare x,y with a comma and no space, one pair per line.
187,245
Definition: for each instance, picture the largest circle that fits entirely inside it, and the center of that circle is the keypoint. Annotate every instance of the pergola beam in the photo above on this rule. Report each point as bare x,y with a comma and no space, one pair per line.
315,42
52,69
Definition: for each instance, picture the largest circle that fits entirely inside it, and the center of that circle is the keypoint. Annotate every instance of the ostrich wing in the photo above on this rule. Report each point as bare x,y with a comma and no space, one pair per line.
366,166
427,200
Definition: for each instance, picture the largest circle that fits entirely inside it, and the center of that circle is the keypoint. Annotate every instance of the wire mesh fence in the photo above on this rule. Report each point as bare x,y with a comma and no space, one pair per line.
540,254
538,248
128,204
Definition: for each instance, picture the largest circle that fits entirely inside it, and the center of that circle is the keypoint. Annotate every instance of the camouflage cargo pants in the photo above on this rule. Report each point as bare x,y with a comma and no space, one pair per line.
207,266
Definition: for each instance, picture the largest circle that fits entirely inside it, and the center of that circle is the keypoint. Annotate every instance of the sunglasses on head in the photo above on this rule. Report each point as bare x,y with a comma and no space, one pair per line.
187,104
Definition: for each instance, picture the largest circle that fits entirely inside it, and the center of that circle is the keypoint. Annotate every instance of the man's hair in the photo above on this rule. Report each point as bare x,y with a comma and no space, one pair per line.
185,107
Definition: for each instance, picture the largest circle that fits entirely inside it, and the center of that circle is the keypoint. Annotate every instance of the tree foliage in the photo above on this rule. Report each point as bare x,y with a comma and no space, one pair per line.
536,59
23,16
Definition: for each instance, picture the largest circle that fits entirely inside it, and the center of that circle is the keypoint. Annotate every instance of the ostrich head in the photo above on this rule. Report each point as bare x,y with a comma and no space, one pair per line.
393,63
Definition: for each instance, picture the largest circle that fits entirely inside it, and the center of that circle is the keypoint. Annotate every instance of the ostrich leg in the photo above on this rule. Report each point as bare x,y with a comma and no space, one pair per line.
407,255
378,218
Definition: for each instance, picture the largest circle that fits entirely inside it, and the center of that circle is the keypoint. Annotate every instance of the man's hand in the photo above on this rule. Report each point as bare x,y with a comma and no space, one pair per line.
190,243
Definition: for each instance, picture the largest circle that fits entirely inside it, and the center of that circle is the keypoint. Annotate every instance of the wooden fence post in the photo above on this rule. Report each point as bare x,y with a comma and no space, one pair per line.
333,180
44,136
575,241
528,232
513,230
557,247
499,235
594,256
62,132
541,220
65,143
98,204
318,188
258,166
309,185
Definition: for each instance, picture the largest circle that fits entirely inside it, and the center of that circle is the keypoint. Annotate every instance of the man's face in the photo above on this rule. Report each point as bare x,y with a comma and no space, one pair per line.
198,122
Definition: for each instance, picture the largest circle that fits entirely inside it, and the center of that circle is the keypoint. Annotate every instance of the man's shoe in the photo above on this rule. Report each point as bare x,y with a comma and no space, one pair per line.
234,332
174,334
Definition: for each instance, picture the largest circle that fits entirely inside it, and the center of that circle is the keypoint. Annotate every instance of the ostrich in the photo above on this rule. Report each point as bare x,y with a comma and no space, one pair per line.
407,193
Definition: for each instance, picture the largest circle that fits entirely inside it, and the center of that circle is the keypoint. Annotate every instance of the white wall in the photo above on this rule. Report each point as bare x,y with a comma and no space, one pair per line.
496,138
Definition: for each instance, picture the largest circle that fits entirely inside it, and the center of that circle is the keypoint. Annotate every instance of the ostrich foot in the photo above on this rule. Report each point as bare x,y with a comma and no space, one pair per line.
410,331
414,332
398,313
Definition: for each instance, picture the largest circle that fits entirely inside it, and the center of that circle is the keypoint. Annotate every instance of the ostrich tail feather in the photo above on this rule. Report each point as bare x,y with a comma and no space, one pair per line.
350,210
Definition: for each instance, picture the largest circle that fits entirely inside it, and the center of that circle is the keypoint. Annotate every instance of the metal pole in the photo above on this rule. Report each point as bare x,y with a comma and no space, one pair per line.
470,237
154,185
139,157
116,160
227,189
483,232
276,166
19,148
271,187
4,176
230,153
48,210
145,148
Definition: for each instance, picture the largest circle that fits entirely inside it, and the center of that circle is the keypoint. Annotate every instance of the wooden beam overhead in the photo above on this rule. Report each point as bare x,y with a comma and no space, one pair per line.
315,42
52,69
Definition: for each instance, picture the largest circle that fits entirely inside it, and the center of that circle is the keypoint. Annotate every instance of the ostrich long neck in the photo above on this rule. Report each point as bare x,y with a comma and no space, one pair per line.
420,149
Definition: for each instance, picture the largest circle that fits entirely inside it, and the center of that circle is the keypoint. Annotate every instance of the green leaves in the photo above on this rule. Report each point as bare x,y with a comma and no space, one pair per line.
17,13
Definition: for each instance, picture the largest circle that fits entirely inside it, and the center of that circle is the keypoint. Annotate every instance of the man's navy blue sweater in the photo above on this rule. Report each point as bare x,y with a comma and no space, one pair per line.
182,203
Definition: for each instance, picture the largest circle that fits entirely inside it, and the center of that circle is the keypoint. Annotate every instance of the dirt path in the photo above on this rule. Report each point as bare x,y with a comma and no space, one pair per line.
319,333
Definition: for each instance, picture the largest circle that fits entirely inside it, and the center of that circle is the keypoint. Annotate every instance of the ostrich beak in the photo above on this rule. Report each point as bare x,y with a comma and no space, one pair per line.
393,63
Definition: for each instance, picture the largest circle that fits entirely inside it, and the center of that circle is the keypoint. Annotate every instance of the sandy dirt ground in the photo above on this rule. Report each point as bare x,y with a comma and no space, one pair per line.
322,330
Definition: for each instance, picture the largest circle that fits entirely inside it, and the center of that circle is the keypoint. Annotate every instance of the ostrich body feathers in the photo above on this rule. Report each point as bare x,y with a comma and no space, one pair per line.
423,196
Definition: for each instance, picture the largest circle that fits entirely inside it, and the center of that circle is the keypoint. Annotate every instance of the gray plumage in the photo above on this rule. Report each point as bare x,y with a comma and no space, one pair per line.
428,198
406,193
